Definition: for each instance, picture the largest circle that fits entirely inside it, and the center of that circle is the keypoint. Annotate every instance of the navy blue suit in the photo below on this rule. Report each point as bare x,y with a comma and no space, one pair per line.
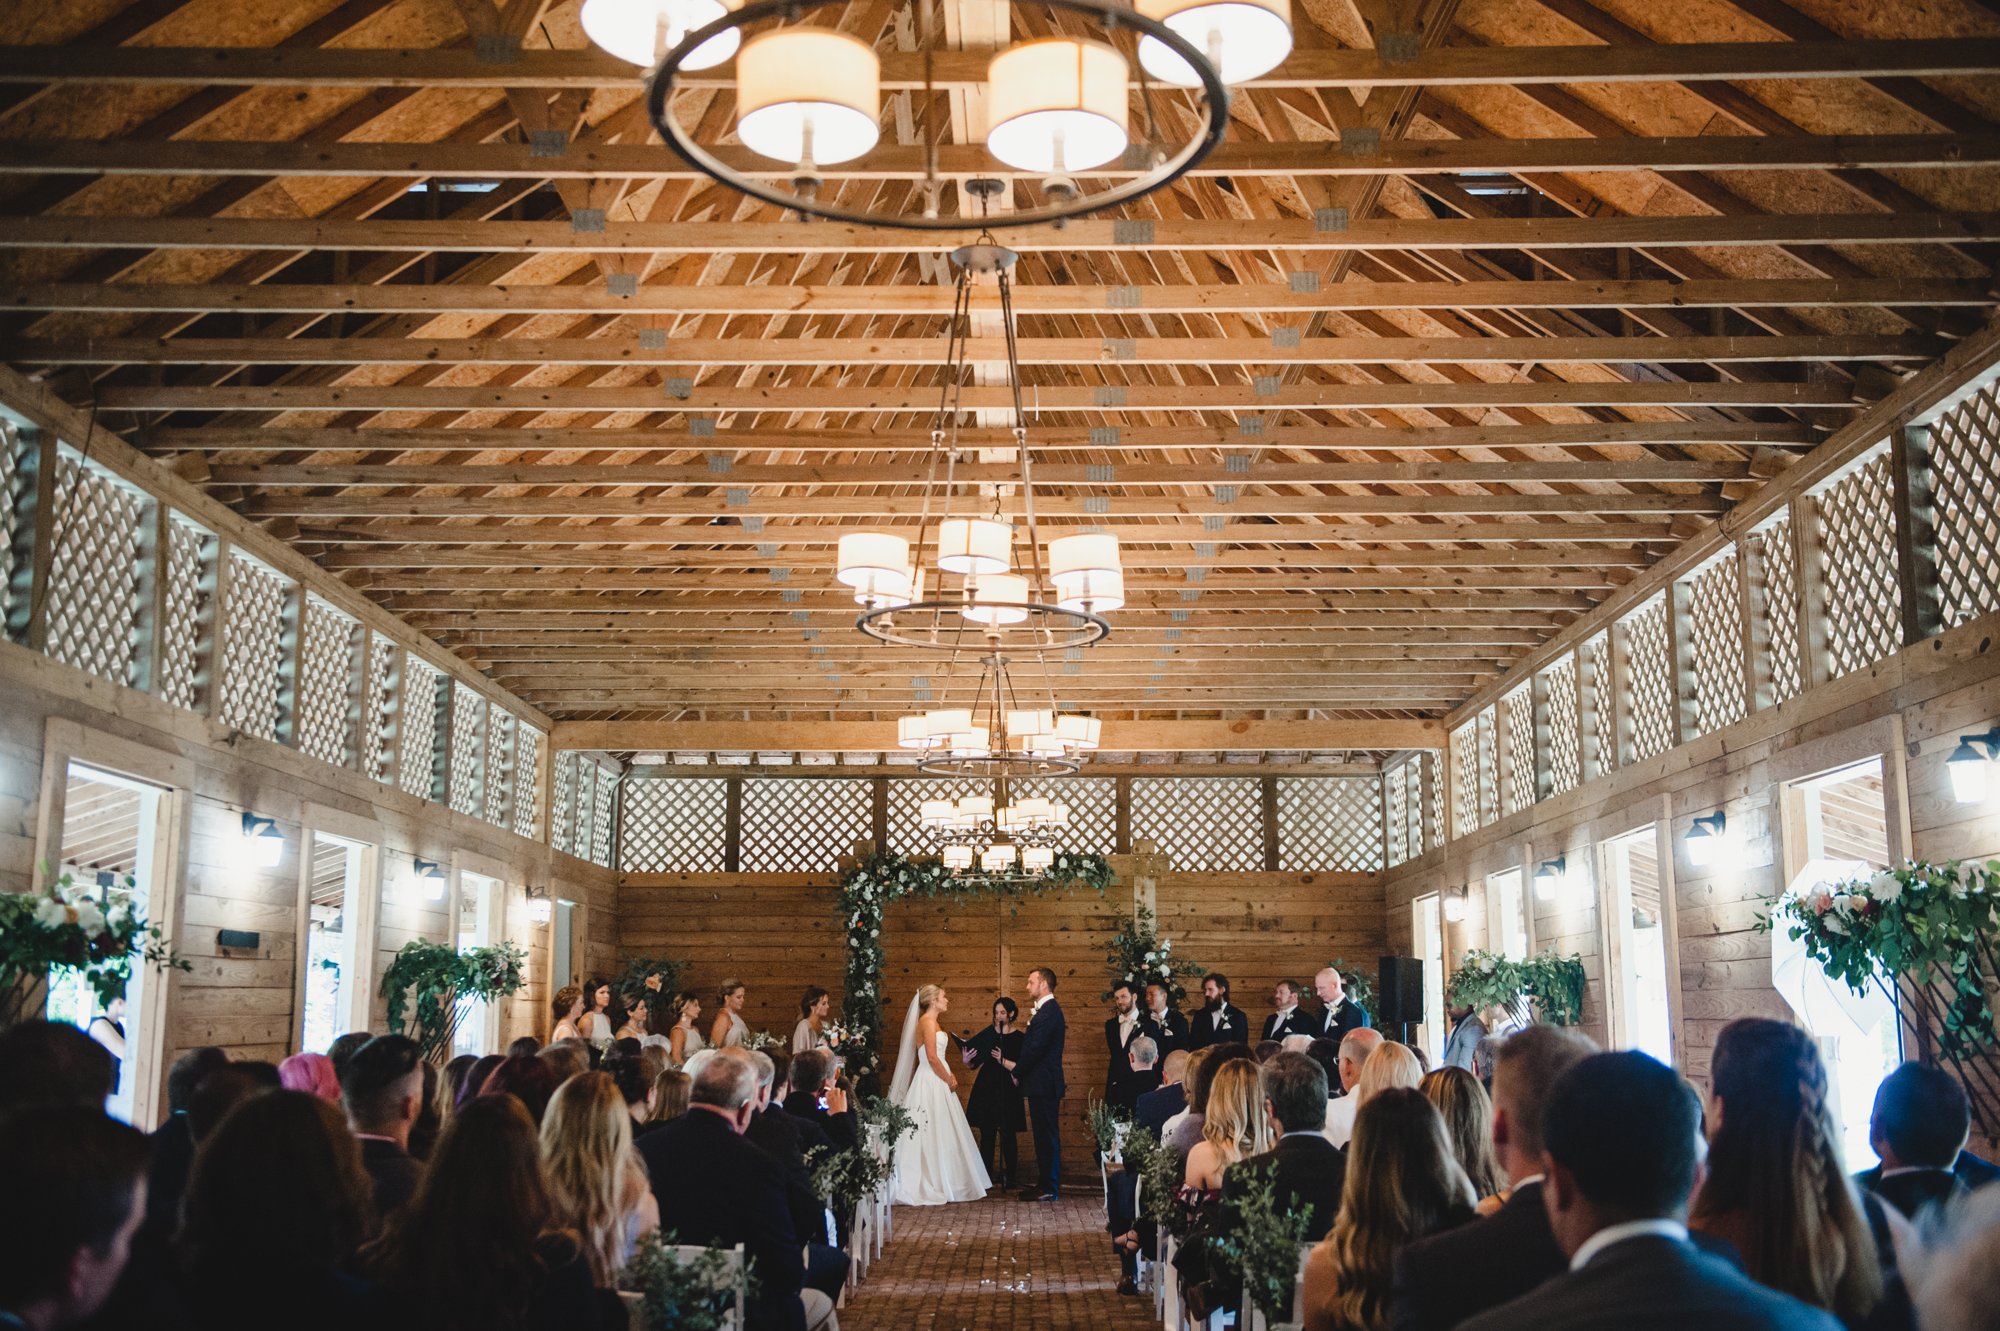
1653,1284
1039,1074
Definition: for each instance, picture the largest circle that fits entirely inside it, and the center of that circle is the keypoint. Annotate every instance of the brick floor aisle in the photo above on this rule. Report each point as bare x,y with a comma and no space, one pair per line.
997,1265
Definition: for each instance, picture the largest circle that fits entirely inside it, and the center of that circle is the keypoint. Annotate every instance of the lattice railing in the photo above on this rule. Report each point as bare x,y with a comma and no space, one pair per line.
1433,803
803,825
1487,773
530,751
1965,481
467,770
1714,628
1647,667
1206,824
92,601
1784,622
499,766
416,763
251,679
1857,541
674,825
1516,723
1464,744
378,708
1396,815
11,532
1330,824
562,803
326,682
187,609
603,814
1565,761
1602,700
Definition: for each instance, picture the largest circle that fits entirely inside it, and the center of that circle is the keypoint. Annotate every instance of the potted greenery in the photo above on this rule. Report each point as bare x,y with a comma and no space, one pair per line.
675,1290
1138,956
97,930
433,984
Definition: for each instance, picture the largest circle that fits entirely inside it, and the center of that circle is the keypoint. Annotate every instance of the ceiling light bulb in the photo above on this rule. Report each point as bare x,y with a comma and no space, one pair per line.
974,546
1057,105
808,96
1241,38
642,31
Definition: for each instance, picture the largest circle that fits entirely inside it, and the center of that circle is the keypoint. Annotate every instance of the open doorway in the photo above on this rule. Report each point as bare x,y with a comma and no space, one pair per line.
1635,925
1507,914
1427,928
112,837
341,883
476,923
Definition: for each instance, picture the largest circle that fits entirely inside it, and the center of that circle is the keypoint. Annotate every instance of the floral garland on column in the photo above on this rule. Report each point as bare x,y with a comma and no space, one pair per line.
865,893
1137,955
1552,983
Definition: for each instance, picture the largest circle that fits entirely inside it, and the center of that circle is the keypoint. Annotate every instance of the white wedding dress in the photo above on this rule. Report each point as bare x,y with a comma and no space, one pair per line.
940,1162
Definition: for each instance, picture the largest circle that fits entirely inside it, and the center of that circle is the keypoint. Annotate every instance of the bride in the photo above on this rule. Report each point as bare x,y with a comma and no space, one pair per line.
940,1163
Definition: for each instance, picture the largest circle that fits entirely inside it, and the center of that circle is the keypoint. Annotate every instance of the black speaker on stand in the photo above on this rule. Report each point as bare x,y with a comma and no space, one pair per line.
1402,997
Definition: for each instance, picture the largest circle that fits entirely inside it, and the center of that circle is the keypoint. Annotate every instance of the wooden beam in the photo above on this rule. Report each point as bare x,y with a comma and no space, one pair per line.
590,70
625,350
1217,586
283,159
1097,766
1209,298
1567,532
721,396
1146,624
1134,557
880,736
820,237
841,605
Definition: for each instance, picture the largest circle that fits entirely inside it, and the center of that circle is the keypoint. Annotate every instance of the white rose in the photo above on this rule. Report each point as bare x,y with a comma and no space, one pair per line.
51,913
90,917
1834,926
1885,886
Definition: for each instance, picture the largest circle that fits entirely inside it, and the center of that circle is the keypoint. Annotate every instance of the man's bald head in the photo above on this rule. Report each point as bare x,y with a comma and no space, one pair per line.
1354,1051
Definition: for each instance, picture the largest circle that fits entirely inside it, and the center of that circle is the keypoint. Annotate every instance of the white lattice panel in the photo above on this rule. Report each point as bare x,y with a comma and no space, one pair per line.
500,725
802,826
10,517
378,702
674,825
1465,779
1489,765
326,682
466,776
1864,600
1396,815
1649,680
1603,701
529,752
1206,824
1330,823
1714,626
1965,486
1784,640
1517,738
416,769
1565,754
187,603
603,809
562,804
93,590
253,648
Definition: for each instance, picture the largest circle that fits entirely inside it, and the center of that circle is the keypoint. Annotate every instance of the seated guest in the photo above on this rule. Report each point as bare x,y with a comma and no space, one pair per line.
475,1080
311,1073
455,1073
383,1095
221,1091
1157,1106
1234,1127
344,1047
1326,1053
1402,1184
1184,1134
667,1101
430,1114
652,1059
173,1141
717,1189
1164,1022
86,1175
481,1244
1296,1044
1918,1128
1442,1280
1467,1030
817,1095
1268,1049
1776,1187
1306,1169
1339,1015
1217,1022
1286,1018
568,1057
598,1190
529,1080
1183,1129
789,1140
276,1206
1623,1143
526,1046
635,1088
1959,1286
1468,1120
1355,1047
53,1063
1144,1078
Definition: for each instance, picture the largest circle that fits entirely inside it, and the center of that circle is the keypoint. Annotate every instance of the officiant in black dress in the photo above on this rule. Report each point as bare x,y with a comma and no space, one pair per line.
994,1108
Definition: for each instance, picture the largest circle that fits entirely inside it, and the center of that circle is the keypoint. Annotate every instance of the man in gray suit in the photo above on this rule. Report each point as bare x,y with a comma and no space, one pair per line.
1623,1139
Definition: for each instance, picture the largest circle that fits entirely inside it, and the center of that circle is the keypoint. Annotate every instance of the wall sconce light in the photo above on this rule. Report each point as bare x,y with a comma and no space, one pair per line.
541,906
1550,877
1454,906
426,880
1971,766
263,843
1708,839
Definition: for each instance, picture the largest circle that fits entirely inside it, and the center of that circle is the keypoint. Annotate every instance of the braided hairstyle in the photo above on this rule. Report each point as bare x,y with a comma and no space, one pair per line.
1776,1181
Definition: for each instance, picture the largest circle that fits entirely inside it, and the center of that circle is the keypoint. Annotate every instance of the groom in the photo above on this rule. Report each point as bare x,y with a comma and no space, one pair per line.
1039,1074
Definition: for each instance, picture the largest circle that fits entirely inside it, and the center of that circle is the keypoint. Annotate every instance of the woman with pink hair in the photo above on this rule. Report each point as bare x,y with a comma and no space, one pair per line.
311,1073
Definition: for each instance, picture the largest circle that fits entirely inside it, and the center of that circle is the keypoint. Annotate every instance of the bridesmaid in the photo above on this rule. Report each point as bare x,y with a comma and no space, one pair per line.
568,1007
810,1033
994,1107
729,1028
685,1040
635,1027
600,1021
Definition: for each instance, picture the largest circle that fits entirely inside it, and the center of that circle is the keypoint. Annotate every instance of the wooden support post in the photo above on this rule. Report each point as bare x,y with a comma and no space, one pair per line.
1267,792
42,519
218,631
1916,532
154,545
1750,583
1815,660
292,655
878,809
1686,716
732,825
1122,837
387,729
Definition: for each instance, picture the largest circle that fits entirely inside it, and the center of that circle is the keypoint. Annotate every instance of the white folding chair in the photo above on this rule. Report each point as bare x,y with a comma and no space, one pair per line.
1170,1285
730,1279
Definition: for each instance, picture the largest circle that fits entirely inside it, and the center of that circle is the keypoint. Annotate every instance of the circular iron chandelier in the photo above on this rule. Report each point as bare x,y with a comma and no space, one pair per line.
1063,110
997,833
997,734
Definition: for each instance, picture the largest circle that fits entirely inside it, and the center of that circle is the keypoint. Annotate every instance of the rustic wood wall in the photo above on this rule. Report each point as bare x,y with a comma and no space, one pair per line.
249,1002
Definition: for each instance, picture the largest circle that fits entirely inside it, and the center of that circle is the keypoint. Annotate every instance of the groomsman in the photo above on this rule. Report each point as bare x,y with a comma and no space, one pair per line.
1342,1013
1121,1028
1285,1018
1217,1022
1164,1022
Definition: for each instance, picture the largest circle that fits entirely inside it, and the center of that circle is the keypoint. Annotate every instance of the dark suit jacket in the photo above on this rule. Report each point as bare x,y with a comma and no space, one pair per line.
1653,1284
718,1189
1156,1107
1913,1192
1297,1022
1039,1069
1204,1030
1121,1085
1169,1032
1444,1279
776,1133
842,1130
1335,1025
1307,1170
396,1174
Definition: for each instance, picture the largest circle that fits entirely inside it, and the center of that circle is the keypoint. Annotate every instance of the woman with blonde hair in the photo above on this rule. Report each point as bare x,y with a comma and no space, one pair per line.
597,1185
1403,1184
667,1101
1392,1066
729,1028
1777,1186
1468,1120
1234,1128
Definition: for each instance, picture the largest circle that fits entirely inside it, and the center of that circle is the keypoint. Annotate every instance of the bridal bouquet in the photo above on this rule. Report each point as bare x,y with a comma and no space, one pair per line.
99,931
